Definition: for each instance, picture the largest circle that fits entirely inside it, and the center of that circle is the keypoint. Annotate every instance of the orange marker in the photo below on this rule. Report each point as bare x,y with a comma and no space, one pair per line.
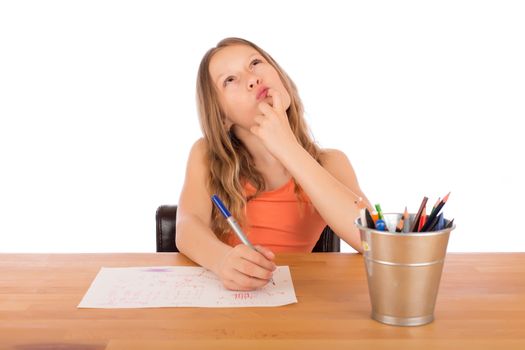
375,216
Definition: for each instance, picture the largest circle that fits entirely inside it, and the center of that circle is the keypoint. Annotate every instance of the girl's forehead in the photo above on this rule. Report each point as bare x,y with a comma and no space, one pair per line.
230,58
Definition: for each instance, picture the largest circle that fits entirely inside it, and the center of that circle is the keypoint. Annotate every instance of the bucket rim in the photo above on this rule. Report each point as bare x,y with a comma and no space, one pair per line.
401,234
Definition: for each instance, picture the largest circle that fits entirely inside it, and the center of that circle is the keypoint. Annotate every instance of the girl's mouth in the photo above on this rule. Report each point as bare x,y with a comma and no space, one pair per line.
262,94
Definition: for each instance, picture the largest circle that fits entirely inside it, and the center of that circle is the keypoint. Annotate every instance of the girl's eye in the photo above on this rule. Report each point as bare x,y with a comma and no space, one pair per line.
228,80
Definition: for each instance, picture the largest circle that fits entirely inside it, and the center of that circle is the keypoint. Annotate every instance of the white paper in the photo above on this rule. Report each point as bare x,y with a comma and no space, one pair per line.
175,286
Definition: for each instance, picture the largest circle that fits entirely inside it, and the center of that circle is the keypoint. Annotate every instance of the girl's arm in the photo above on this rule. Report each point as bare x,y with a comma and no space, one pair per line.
333,189
239,268
330,188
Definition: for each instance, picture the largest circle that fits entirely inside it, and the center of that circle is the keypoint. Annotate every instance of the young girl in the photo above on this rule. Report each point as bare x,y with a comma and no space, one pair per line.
258,157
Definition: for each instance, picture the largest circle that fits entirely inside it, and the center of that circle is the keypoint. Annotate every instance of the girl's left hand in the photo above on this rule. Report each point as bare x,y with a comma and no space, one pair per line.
272,126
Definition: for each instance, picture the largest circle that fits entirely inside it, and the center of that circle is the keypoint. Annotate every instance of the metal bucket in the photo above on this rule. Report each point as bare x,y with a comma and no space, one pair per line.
403,271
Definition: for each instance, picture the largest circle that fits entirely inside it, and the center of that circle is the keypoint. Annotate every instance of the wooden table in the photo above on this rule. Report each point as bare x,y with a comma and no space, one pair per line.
480,305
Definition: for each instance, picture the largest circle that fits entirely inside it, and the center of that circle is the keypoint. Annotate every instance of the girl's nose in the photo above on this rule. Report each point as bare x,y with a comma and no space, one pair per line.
253,82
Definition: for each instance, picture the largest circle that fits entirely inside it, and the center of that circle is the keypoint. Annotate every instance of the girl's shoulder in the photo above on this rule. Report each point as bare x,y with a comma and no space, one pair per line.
197,159
199,149
201,145
338,165
331,156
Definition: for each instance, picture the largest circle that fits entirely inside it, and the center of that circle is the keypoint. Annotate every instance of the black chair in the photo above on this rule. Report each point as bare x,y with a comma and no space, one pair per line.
166,215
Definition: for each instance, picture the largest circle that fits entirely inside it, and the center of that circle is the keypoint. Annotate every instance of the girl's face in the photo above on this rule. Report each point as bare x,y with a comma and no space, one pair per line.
242,77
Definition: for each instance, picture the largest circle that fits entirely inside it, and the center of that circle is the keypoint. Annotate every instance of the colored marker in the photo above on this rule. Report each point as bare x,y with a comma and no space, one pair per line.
375,216
380,225
379,212
369,219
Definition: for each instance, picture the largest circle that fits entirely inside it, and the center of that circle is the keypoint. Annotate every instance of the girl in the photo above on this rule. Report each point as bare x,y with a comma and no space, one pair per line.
257,156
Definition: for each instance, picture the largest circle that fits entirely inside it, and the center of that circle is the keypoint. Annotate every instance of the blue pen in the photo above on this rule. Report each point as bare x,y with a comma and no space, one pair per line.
233,223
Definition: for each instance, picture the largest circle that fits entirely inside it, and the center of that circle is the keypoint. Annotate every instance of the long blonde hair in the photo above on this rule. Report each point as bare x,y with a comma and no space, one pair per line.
230,162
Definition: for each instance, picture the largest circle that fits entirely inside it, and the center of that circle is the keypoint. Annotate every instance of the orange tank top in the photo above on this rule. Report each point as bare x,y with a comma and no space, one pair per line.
276,220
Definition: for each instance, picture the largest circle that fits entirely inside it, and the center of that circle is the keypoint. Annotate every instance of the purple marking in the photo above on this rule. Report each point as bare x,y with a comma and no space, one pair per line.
157,270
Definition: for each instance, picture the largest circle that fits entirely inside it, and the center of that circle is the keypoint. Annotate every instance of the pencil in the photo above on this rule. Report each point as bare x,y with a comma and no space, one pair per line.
435,212
415,223
401,223
422,220
435,205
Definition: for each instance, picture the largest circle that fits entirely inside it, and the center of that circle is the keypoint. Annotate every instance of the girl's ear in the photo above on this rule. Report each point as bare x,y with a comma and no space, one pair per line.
227,124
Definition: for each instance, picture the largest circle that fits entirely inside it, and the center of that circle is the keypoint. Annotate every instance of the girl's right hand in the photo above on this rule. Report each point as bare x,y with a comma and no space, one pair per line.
243,268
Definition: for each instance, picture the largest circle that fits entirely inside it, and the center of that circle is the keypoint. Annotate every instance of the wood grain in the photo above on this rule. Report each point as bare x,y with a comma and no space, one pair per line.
480,305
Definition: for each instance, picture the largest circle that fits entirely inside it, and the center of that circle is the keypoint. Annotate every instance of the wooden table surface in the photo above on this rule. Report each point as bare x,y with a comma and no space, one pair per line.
480,305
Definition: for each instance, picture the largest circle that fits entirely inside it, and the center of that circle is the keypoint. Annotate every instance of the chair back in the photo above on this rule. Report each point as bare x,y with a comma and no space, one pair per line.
165,218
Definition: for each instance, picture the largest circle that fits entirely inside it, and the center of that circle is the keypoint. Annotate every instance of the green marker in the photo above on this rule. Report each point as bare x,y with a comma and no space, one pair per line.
379,212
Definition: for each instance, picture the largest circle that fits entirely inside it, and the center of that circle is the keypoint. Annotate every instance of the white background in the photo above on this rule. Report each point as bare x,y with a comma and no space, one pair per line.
97,109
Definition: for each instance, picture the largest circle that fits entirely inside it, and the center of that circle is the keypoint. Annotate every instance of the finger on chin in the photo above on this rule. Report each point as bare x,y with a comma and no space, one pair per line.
275,97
